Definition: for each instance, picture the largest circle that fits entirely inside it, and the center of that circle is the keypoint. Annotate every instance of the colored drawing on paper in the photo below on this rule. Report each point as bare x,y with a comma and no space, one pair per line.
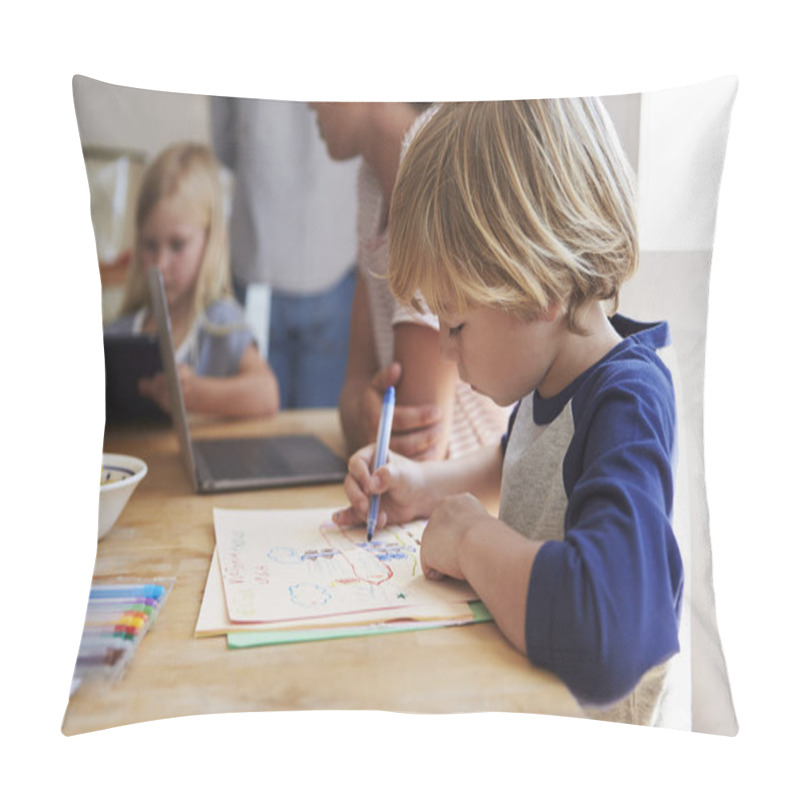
299,565
309,595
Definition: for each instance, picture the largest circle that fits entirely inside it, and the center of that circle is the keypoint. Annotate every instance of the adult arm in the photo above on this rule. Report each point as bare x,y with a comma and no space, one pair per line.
362,364
415,425
426,380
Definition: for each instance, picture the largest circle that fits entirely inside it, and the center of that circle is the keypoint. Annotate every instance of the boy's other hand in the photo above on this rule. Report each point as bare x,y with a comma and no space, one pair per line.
442,537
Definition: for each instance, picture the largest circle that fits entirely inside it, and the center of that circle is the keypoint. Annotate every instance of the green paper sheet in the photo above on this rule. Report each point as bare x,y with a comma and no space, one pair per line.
237,641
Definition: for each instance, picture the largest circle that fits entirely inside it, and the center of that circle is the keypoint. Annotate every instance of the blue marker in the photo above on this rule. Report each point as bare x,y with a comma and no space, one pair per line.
381,449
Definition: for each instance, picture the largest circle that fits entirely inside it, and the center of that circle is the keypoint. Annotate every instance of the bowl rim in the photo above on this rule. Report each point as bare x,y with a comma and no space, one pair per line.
138,466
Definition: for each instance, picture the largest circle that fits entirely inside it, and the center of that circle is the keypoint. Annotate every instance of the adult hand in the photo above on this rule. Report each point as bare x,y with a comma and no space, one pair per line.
416,430
443,536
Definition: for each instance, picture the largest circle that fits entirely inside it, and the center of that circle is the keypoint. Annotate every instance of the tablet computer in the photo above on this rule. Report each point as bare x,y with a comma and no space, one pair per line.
129,357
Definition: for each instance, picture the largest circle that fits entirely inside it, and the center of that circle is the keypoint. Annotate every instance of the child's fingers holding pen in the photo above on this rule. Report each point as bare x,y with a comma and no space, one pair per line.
356,486
382,479
359,484
359,467
359,499
346,517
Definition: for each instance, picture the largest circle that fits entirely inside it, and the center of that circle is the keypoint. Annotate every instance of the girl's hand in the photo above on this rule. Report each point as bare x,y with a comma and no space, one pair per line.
186,376
443,535
399,483
155,387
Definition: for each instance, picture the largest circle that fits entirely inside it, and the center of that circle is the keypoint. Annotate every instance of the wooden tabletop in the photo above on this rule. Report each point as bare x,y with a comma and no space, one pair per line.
167,531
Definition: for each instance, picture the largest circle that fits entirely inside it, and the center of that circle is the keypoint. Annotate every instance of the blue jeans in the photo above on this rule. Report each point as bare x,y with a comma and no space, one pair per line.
308,340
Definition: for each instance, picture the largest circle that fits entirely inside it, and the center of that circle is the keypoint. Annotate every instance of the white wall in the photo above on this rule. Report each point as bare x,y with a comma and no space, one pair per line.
625,112
138,119
147,121
681,152
683,132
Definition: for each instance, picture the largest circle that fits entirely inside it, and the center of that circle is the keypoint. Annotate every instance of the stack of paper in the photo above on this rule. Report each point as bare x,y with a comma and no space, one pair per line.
281,576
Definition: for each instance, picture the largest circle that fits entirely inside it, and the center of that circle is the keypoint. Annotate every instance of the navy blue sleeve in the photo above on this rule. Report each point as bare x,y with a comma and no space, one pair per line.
504,438
603,605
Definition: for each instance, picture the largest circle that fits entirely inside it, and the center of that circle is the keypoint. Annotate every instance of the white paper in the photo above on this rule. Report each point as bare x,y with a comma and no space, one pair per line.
295,564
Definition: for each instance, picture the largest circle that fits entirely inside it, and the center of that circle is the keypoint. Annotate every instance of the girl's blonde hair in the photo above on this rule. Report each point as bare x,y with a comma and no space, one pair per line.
191,172
514,205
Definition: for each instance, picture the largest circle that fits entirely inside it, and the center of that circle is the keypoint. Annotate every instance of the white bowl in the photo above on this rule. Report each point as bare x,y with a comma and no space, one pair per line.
119,477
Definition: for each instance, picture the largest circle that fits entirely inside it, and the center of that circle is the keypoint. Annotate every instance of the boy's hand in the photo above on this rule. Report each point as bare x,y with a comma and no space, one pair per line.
443,535
399,483
416,430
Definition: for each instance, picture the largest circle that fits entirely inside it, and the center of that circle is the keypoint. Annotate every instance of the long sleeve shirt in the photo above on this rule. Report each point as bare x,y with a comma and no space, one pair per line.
591,472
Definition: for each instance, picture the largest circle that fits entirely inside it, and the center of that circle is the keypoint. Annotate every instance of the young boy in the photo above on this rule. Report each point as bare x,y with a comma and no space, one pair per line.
514,221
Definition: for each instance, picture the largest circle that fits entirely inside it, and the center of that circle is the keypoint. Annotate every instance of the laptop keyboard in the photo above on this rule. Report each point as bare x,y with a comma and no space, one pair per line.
234,459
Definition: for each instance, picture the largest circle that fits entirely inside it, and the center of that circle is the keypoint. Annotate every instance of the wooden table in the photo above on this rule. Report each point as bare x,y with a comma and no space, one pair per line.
166,530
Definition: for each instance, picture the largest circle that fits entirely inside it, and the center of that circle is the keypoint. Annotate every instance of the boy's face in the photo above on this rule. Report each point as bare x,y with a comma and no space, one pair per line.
500,356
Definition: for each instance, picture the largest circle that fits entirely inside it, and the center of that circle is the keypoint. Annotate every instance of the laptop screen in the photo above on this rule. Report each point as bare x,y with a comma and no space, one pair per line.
167,350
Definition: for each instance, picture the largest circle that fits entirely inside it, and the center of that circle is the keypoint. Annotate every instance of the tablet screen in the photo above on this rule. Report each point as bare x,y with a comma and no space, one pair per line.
129,357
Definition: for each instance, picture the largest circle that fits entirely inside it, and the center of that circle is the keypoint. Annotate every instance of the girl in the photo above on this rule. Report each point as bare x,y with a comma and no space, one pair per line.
180,230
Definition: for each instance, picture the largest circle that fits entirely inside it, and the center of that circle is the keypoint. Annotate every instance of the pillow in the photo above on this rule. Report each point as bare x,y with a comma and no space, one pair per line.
675,141
681,148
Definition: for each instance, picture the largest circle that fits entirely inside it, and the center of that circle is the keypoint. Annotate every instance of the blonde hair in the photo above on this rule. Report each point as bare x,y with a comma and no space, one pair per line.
514,205
191,172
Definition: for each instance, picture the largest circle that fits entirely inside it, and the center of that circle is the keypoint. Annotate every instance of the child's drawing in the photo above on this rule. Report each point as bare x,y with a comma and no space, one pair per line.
309,595
288,565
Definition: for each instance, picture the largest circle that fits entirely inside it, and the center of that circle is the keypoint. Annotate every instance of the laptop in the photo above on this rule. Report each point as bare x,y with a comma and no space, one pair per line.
240,463
129,357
